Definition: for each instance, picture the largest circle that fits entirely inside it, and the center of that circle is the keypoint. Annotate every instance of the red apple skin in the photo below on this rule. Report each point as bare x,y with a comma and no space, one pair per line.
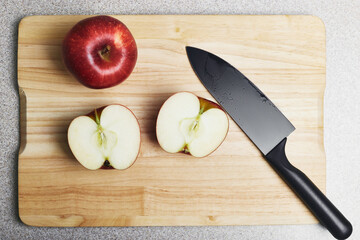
98,111
100,52
205,104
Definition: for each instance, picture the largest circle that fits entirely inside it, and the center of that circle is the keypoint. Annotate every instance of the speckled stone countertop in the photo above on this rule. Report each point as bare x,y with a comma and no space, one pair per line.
341,113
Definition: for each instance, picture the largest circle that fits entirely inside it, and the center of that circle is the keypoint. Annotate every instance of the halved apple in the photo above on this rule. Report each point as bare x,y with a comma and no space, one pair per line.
108,137
190,124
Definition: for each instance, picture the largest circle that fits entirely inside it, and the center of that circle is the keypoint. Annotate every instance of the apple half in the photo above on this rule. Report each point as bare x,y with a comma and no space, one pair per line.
108,137
191,124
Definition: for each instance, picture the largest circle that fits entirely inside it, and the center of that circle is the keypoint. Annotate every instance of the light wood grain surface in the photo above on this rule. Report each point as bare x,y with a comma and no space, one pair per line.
283,55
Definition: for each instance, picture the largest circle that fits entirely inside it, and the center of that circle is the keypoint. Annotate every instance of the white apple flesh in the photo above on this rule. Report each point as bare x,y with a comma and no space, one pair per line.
108,137
190,124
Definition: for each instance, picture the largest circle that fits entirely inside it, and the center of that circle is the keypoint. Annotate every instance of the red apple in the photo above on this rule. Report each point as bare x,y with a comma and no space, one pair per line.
108,137
100,52
191,124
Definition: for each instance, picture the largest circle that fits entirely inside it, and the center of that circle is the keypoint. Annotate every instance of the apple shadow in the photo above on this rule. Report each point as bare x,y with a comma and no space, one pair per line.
56,56
54,53
61,141
149,126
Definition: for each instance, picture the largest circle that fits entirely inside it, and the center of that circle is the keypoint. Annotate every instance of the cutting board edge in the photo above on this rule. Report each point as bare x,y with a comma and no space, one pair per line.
23,116
155,221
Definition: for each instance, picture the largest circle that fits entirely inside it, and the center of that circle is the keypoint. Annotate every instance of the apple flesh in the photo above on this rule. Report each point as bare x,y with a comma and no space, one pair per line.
100,52
108,137
190,124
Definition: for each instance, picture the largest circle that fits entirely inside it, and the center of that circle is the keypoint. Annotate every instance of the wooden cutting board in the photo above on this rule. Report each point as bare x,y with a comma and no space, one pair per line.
283,55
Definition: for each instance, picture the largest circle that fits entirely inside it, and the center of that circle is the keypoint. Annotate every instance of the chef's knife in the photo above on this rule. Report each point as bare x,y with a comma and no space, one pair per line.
267,128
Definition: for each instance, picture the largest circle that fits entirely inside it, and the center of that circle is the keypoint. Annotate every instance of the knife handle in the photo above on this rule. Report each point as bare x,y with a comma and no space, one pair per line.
316,201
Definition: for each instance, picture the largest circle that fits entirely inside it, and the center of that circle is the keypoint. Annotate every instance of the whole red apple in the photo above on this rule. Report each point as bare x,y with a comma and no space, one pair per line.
100,52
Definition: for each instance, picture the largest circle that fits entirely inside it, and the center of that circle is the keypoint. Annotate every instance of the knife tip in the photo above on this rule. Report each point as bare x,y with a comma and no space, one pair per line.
192,50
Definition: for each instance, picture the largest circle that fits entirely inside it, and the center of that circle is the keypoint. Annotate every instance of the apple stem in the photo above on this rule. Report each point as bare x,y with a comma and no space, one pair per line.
201,110
97,120
105,53
102,137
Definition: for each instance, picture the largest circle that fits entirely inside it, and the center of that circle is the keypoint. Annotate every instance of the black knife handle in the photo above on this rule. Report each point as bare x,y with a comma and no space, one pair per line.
316,201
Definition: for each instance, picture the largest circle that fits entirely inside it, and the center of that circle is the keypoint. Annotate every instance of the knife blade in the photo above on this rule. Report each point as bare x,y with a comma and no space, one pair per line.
247,105
267,128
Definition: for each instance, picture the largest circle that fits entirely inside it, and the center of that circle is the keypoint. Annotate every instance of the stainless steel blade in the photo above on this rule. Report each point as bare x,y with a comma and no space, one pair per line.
247,105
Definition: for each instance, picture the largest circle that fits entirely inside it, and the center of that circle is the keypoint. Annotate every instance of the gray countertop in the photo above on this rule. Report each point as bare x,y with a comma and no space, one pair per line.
341,116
